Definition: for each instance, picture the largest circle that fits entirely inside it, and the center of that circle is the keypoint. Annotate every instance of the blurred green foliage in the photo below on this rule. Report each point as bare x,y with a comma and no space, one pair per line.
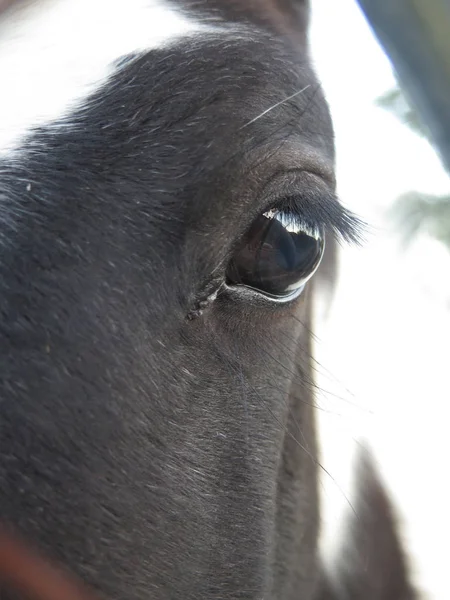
414,212
395,102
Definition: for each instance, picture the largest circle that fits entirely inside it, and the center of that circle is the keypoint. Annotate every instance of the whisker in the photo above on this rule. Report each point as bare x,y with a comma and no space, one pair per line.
306,381
265,112
231,363
303,448
320,369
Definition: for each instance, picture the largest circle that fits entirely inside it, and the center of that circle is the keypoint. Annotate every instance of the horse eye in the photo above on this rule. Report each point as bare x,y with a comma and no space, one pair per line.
277,256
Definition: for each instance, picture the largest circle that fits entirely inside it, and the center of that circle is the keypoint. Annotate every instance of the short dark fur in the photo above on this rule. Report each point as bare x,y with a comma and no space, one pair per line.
162,457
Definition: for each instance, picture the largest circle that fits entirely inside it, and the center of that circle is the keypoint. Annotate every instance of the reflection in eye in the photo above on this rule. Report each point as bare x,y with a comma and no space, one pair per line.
277,256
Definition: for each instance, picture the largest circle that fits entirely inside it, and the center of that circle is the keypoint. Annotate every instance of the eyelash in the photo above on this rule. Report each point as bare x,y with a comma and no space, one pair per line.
324,213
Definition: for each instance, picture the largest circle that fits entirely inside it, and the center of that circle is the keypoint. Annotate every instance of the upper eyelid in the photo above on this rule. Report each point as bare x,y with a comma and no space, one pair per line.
305,194
311,198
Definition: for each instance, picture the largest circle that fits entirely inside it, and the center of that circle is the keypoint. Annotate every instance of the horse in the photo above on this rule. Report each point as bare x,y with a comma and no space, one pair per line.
167,195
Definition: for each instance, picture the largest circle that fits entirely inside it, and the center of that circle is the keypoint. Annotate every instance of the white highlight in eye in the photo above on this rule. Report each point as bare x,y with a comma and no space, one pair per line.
293,223
53,53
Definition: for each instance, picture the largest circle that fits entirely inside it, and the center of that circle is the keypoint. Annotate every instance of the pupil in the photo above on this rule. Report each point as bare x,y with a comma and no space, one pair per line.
277,255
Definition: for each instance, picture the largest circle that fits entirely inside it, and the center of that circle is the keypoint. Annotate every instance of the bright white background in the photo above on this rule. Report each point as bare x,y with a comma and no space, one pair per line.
384,352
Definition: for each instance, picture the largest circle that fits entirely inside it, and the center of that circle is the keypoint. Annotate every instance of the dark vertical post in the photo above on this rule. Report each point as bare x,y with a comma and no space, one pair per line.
416,37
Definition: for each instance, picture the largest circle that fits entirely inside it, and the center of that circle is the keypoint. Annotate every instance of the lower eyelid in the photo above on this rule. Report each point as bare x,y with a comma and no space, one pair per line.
244,292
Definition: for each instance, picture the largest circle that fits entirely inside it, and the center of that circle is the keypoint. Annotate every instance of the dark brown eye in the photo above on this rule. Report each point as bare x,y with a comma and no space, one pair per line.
277,256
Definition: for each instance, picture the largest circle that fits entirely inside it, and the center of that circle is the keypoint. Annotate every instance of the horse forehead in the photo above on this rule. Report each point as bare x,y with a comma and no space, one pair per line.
55,53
